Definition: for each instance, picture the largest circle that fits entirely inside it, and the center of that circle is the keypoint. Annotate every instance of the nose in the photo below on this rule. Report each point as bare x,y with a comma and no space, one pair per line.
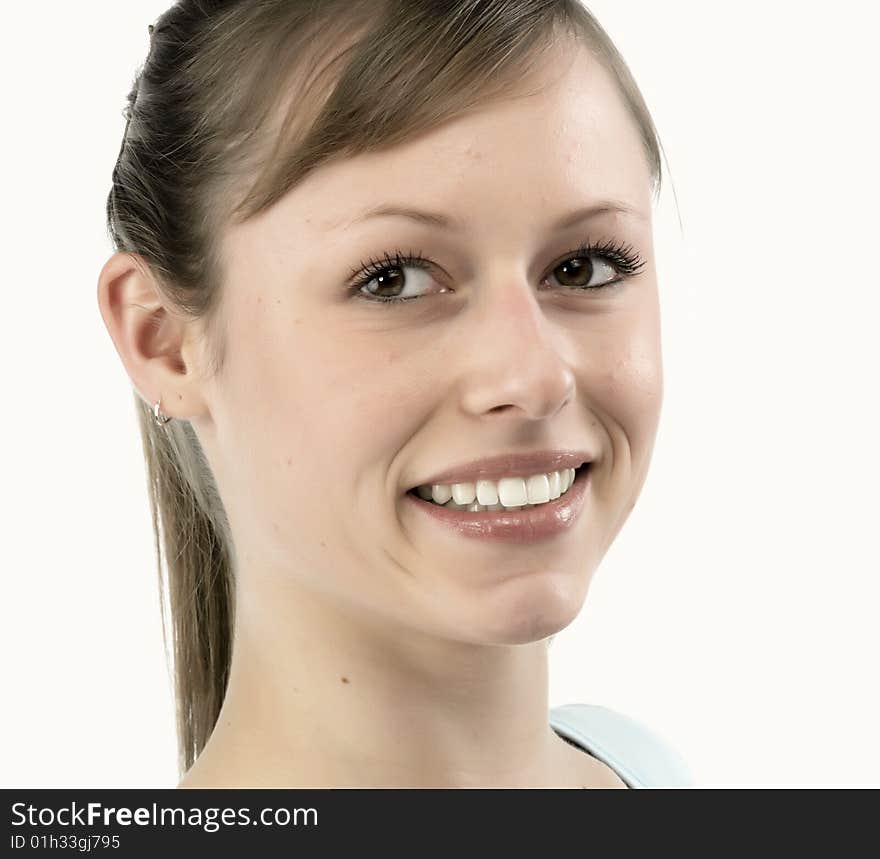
519,361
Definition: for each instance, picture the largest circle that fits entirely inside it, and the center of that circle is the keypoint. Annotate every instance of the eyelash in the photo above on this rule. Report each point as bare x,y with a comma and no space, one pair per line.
622,257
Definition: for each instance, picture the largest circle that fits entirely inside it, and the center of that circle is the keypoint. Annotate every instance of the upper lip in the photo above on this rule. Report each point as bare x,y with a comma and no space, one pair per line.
510,465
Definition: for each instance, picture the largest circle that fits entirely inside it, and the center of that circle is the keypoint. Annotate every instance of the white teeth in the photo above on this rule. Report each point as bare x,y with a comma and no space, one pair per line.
512,492
438,493
509,493
555,485
487,493
464,493
538,489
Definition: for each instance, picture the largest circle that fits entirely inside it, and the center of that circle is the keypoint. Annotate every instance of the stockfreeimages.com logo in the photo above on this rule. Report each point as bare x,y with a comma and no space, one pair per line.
209,819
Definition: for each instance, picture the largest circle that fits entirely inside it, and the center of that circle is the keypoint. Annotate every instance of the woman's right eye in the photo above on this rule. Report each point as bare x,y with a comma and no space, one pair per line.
388,273
397,278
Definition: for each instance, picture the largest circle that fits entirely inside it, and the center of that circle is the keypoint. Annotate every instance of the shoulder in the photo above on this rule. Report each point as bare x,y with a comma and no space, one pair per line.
639,755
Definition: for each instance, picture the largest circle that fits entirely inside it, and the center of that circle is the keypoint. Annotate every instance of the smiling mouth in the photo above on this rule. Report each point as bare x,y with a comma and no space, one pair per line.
577,473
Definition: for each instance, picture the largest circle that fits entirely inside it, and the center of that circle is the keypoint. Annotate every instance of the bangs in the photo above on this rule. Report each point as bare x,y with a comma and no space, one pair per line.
365,81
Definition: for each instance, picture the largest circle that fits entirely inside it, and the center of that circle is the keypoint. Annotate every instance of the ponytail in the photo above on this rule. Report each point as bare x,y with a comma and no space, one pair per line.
194,542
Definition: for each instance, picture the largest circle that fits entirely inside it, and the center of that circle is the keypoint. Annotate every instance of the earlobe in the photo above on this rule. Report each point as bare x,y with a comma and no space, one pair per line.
147,334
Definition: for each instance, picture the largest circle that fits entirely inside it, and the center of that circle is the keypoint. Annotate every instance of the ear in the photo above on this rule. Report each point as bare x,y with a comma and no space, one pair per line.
158,346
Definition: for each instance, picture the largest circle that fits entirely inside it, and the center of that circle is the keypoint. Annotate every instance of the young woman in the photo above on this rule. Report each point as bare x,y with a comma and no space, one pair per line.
385,289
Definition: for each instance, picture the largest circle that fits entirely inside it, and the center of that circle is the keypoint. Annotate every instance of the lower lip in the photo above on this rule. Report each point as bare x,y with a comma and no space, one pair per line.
517,526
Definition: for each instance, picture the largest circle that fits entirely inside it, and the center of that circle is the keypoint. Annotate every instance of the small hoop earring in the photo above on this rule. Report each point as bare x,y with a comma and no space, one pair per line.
161,419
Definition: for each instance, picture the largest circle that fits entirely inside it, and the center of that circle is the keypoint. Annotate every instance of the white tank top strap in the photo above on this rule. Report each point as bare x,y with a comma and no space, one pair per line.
640,756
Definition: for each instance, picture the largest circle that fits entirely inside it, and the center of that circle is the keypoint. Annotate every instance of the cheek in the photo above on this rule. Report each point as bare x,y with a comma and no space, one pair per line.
317,414
626,378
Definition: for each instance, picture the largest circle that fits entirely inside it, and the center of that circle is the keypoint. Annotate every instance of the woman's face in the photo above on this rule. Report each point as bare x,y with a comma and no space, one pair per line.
332,406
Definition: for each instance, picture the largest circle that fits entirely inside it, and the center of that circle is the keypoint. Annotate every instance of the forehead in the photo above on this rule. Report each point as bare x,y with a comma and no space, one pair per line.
524,159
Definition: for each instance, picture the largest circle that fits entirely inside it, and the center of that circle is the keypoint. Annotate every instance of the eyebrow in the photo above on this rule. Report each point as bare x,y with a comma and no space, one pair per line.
446,222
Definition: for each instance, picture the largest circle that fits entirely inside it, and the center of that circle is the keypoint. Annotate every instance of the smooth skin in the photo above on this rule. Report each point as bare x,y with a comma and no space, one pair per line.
372,646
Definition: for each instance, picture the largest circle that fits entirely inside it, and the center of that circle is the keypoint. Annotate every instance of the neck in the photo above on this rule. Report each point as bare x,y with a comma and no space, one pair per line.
323,695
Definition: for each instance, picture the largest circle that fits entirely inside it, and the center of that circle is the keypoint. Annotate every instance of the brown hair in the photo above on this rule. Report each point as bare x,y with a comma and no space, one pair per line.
237,101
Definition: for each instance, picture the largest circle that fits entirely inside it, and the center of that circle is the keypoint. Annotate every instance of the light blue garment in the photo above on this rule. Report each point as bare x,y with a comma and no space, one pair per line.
638,755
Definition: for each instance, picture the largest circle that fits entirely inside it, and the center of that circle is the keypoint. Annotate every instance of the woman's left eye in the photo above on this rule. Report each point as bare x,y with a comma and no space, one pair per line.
576,271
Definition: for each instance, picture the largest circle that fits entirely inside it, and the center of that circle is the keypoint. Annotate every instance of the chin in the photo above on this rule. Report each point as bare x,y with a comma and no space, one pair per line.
531,629
526,617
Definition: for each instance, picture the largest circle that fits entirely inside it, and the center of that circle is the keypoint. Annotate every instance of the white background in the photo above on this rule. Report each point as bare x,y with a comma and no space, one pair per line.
736,614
